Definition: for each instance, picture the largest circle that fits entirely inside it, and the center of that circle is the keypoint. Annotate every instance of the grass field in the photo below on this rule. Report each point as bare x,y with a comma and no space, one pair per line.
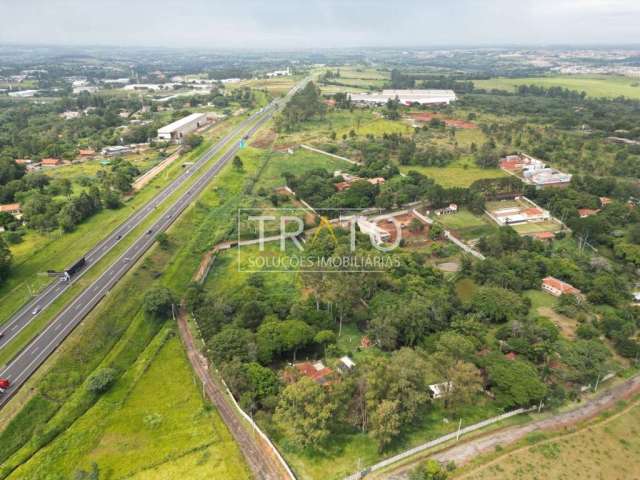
529,228
465,224
45,412
301,161
153,416
593,85
609,449
458,174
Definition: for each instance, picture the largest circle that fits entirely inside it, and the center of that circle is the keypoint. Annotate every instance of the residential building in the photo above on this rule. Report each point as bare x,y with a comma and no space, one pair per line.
375,232
521,162
516,215
439,390
50,162
345,364
557,287
547,177
451,209
177,130
12,208
406,97
86,152
316,371
587,212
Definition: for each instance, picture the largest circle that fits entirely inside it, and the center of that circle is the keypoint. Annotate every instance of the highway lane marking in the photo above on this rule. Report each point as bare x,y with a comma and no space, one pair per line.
75,320
171,188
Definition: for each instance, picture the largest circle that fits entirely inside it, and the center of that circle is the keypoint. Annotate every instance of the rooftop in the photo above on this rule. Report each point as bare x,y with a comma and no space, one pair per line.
181,123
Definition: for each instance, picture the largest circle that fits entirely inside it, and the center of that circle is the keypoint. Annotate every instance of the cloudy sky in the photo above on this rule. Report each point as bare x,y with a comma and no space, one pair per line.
318,23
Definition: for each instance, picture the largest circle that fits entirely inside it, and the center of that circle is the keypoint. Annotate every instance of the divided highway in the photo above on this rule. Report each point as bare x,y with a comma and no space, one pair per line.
31,357
51,292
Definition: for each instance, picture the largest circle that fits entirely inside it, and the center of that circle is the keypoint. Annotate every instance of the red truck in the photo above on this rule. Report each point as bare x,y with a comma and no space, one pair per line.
4,384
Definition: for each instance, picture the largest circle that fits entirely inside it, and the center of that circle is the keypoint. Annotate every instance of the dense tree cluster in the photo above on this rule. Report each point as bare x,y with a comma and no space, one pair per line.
303,106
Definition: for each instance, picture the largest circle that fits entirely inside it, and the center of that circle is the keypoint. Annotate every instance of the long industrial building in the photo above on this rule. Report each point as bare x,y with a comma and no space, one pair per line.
407,97
177,130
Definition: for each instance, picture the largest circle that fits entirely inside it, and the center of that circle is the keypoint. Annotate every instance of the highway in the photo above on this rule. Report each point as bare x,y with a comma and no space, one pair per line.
23,365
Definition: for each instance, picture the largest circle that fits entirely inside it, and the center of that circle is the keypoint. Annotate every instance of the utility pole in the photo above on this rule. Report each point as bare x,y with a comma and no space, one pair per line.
459,426
595,389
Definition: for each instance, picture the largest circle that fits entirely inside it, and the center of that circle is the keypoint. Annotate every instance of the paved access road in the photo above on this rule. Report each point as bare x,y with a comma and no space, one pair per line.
30,358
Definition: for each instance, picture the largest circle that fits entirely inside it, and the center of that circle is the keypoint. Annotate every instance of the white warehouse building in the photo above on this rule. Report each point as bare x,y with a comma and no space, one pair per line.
177,130
407,97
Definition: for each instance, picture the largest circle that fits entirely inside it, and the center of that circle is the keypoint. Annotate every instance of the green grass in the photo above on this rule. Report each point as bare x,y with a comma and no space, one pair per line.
55,400
341,456
528,228
300,162
465,224
458,174
154,415
463,219
540,299
593,85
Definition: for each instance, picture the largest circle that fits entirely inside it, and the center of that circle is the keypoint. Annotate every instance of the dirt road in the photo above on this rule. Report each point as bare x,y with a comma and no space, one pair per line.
463,453
257,453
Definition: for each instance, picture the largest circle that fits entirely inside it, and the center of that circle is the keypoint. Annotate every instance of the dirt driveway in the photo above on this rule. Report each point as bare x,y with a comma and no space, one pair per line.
463,453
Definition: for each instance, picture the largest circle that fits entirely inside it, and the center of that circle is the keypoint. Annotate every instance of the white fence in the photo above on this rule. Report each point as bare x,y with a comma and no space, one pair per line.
255,426
463,245
317,150
425,446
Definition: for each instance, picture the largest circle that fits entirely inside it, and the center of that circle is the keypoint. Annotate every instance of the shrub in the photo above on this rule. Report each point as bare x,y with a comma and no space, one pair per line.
100,381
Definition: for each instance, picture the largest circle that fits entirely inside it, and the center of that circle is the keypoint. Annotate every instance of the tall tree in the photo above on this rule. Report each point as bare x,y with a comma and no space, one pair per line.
304,413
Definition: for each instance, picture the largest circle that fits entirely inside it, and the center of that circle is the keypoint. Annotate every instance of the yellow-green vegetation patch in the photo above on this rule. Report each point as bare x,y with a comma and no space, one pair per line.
465,288
594,85
459,174
610,449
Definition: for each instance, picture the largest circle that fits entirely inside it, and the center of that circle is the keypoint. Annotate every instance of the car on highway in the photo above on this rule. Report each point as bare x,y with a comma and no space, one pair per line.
36,310
4,384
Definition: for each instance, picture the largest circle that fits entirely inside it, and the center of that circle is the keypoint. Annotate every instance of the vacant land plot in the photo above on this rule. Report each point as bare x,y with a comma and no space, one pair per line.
458,174
275,86
537,227
610,449
593,85
465,224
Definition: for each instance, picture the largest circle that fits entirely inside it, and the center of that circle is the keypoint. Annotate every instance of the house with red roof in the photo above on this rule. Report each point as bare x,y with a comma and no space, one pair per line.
316,371
50,162
557,287
587,212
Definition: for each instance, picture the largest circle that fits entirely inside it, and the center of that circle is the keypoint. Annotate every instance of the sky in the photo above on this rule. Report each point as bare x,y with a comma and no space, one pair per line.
303,24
